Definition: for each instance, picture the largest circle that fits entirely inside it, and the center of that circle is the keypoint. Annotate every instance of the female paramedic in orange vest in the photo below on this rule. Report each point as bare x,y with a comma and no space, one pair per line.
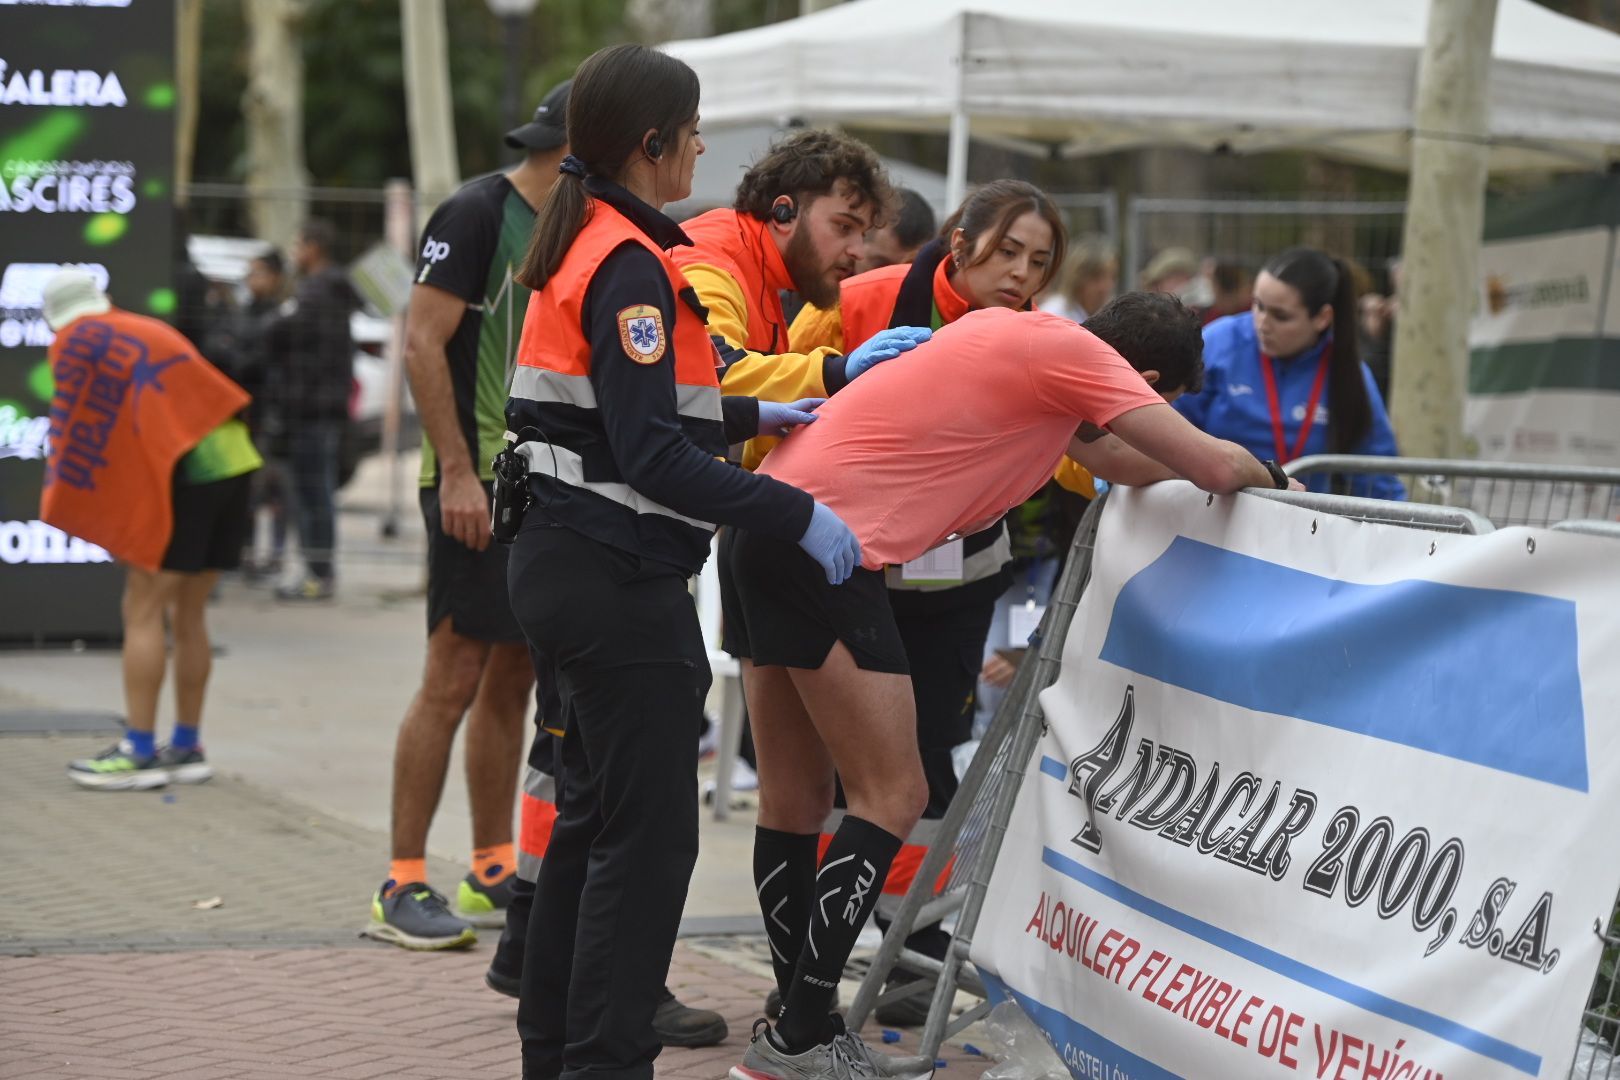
620,423
1000,249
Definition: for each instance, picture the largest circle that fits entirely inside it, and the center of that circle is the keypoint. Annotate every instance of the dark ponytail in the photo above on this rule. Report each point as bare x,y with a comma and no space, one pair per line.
1321,279
617,94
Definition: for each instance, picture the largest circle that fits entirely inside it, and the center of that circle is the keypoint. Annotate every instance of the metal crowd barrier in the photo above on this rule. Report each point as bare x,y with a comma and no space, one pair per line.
969,836
1506,492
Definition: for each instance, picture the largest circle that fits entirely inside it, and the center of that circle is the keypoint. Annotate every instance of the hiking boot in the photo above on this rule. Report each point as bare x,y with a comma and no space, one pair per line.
907,1011
484,906
765,1060
677,1025
185,766
505,974
417,917
118,769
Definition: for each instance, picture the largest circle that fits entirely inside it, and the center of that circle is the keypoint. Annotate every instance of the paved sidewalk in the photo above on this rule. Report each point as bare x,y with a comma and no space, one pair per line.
110,971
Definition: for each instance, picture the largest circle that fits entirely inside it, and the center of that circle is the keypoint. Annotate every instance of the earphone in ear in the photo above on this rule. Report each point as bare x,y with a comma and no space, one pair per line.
655,147
784,213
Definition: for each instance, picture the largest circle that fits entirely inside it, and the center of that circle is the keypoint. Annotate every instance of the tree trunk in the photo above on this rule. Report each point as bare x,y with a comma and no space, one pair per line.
655,21
187,51
273,107
1445,216
427,102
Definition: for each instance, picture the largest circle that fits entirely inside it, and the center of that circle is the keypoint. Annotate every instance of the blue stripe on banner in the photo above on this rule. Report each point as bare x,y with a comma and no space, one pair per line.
1064,1029
1451,1031
1485,676
1054,768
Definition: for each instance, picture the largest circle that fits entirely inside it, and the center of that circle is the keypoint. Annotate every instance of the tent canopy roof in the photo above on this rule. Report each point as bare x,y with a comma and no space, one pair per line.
1089,76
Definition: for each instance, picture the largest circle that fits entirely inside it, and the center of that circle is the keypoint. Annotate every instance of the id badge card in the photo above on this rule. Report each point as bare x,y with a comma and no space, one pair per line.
1022,621
941,566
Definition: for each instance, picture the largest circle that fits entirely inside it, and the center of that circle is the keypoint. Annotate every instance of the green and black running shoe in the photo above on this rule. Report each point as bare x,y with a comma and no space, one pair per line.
484,906
417,917
118,769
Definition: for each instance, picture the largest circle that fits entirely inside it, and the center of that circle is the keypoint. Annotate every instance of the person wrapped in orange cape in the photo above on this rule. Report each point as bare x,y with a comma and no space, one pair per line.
132,397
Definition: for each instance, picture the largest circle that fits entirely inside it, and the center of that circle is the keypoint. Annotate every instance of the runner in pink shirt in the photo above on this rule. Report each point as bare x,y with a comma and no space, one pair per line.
922,450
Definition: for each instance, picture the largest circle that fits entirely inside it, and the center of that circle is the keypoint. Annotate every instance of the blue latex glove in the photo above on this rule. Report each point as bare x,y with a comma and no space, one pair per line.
885,345
776,418
829,542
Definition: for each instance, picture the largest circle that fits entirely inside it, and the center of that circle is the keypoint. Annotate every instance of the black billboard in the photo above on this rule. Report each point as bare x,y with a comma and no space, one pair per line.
87,107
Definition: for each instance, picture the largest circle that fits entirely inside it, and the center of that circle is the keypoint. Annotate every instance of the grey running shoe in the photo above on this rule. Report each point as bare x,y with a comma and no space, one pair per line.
679,1025
185,766
764,1060
484,906
874,1063
417,917
118,769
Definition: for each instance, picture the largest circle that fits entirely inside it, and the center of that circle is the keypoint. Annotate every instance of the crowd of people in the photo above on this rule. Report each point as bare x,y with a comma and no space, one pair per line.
892,426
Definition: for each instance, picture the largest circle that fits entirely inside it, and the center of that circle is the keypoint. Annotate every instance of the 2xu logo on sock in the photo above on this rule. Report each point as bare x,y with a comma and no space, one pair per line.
857,895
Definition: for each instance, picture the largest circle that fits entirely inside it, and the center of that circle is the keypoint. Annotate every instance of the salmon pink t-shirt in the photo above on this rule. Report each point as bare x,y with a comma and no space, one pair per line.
947,438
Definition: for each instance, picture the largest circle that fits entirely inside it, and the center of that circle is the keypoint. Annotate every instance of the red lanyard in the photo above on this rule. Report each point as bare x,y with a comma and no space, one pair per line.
1283,456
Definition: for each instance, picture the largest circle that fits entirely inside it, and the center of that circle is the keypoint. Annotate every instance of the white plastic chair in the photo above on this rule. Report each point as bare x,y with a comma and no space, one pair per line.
727,683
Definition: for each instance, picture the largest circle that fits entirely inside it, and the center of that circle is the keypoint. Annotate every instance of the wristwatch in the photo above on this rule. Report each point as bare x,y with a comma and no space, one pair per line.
1278,477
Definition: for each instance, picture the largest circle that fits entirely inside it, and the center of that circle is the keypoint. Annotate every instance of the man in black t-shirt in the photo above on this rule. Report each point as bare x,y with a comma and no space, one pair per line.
461,335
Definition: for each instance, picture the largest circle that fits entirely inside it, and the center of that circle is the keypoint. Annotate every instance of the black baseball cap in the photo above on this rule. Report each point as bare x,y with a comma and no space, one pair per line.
549,128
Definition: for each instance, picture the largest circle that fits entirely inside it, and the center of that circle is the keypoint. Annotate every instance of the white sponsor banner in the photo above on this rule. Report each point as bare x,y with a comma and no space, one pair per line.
1548,427
1541,287
1317,798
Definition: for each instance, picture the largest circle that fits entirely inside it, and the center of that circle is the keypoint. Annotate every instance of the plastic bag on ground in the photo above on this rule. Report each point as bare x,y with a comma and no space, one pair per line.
1594,1059
1021,1049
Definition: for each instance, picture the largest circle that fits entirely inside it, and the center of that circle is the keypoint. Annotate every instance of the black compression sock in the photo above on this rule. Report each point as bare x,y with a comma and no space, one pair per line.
846,890
784,878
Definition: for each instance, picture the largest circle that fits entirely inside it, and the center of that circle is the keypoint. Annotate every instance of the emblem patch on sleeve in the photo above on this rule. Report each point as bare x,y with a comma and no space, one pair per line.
641,332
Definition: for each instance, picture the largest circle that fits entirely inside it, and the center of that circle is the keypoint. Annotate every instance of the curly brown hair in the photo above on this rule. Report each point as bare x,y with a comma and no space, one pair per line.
807,165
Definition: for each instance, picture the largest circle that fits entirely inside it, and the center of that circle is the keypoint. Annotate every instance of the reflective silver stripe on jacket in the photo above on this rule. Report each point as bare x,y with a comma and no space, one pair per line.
553,387
975,567
538,785
568,467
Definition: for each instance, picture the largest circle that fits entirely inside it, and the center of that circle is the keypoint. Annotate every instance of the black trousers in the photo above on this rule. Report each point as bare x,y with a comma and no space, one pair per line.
631,673
945,648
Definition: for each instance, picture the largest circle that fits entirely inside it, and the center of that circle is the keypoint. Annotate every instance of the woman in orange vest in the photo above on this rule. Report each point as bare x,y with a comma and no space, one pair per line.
1000,249
621,430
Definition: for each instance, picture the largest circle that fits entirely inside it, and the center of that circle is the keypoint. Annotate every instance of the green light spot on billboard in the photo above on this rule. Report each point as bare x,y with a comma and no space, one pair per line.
105,229
41,382
160,96
45,140
154,188
162,302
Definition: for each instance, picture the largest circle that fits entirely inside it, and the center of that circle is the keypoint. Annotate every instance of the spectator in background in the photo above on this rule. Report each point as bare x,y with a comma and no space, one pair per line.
897,241
266,283
1170,271
313,354
1378,315
1286,380
1089,278
1232,291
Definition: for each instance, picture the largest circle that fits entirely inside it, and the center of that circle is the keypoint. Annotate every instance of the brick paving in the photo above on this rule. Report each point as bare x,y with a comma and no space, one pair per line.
110,973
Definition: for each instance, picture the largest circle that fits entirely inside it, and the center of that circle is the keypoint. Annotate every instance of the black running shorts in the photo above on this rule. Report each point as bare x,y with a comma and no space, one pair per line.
779,609
465,586
210,524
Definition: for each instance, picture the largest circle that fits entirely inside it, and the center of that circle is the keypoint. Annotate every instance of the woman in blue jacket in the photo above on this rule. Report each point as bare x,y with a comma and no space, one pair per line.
1294,357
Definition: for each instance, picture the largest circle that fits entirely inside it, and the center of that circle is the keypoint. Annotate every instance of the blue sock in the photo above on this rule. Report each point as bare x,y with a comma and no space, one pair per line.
142,743
184,738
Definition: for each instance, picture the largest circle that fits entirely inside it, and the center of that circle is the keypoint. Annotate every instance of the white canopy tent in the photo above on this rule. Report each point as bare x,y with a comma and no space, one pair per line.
1089,76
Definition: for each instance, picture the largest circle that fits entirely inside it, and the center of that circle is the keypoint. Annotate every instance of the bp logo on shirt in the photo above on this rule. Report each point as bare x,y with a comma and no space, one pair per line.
641,332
